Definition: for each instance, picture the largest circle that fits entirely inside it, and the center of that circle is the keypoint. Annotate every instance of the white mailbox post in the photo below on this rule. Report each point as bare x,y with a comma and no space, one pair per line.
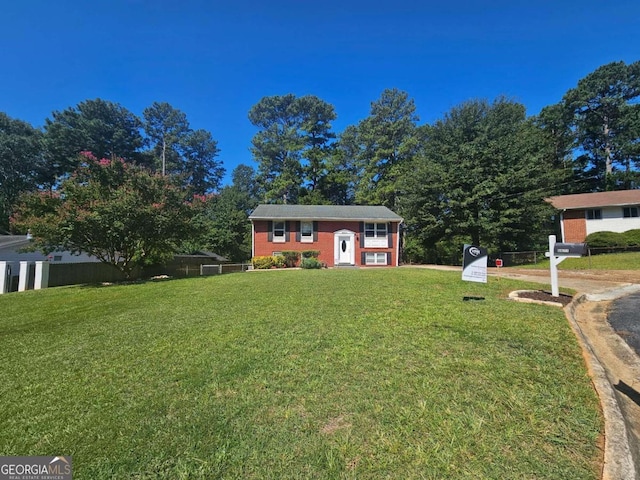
557,253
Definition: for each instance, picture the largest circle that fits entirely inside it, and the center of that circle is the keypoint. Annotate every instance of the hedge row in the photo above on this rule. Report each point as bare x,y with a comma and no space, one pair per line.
630,238
288,259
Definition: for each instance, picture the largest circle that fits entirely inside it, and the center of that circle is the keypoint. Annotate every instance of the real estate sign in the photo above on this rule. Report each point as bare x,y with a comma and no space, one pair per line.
474,264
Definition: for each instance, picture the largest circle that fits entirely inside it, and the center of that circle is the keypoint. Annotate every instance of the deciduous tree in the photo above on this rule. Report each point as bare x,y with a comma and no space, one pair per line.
113,210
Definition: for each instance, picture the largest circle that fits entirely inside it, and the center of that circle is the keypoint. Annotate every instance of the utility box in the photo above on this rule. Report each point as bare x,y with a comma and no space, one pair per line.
570,249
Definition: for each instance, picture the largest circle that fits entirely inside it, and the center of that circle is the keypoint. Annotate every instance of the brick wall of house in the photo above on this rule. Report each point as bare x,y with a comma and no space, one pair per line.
324,244
575,226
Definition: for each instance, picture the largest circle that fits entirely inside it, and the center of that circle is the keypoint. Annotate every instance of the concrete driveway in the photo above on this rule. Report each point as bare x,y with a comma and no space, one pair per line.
624,318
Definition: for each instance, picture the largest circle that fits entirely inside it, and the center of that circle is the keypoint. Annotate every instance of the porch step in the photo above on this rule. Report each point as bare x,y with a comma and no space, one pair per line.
345,265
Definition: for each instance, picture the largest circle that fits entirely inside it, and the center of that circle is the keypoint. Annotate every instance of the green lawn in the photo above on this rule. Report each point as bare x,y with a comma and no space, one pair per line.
607,261
323,374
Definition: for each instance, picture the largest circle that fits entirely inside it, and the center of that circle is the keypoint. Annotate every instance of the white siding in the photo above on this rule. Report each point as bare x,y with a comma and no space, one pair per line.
612,221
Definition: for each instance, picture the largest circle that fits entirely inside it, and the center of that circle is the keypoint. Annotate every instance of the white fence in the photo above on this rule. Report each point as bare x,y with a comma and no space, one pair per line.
36,275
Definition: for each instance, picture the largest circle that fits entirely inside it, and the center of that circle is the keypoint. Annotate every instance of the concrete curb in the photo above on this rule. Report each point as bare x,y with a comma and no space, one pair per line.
618,457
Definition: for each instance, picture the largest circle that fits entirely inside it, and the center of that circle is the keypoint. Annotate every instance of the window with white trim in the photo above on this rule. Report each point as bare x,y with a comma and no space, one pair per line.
306,232
375,235
629,212
375,230
594,214
375,258
278,231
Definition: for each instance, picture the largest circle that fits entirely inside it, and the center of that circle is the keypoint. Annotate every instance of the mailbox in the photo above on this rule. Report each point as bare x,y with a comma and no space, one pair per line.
570,249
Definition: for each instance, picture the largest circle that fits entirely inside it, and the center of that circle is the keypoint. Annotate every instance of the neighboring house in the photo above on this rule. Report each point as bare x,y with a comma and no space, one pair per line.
12,246
585,213
344,235
69,269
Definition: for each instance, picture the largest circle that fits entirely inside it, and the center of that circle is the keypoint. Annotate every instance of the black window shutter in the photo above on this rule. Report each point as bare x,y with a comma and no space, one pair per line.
388,258
270,231
298,233
390,234
287,229
363,259
362,236
315,231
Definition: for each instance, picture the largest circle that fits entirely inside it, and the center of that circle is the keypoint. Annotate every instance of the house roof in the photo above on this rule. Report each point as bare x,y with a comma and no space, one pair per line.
592,200
324,212
13,241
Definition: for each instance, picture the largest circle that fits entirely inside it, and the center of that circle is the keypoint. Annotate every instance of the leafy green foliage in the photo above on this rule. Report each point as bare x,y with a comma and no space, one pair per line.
292,145
264,262
22,163
606,240
310,253
104,128
268,261
165,126
480,175
602,113
179,150
311,263
291,258
112,210
385,141
632,237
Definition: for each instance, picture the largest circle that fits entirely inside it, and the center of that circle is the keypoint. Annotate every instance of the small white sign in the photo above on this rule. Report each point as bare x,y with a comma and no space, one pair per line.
474,264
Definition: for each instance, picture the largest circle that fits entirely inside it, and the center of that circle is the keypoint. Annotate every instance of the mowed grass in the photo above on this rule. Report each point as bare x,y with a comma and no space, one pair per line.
327,374
605,261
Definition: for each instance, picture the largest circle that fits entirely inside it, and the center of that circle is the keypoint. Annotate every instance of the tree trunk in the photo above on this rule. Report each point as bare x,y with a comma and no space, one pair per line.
164,150
607,147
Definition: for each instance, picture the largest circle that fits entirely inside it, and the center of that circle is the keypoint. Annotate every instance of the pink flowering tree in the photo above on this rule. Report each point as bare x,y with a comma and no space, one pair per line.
115,211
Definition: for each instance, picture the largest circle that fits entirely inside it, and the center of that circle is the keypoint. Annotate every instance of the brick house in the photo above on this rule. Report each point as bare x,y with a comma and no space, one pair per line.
585,213
344,235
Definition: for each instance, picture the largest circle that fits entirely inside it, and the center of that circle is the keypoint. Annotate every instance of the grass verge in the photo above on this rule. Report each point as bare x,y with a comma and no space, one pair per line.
605,261
297,374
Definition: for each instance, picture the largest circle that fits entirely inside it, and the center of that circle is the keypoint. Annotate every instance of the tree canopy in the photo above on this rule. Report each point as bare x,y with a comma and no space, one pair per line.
478,174
479,177
112,210
22,163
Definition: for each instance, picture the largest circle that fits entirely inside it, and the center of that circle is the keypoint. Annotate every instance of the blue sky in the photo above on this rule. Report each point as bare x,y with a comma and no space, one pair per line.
214,60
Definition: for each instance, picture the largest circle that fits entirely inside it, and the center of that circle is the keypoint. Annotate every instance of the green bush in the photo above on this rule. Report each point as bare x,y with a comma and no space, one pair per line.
632,237
268,261
311,263
310,253
291,258
262,263
606,240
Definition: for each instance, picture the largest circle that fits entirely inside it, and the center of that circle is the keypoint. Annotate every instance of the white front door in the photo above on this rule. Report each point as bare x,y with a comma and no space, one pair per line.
344,248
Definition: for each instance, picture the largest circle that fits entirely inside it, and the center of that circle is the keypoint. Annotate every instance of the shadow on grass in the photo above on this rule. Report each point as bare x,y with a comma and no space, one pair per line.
139,281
